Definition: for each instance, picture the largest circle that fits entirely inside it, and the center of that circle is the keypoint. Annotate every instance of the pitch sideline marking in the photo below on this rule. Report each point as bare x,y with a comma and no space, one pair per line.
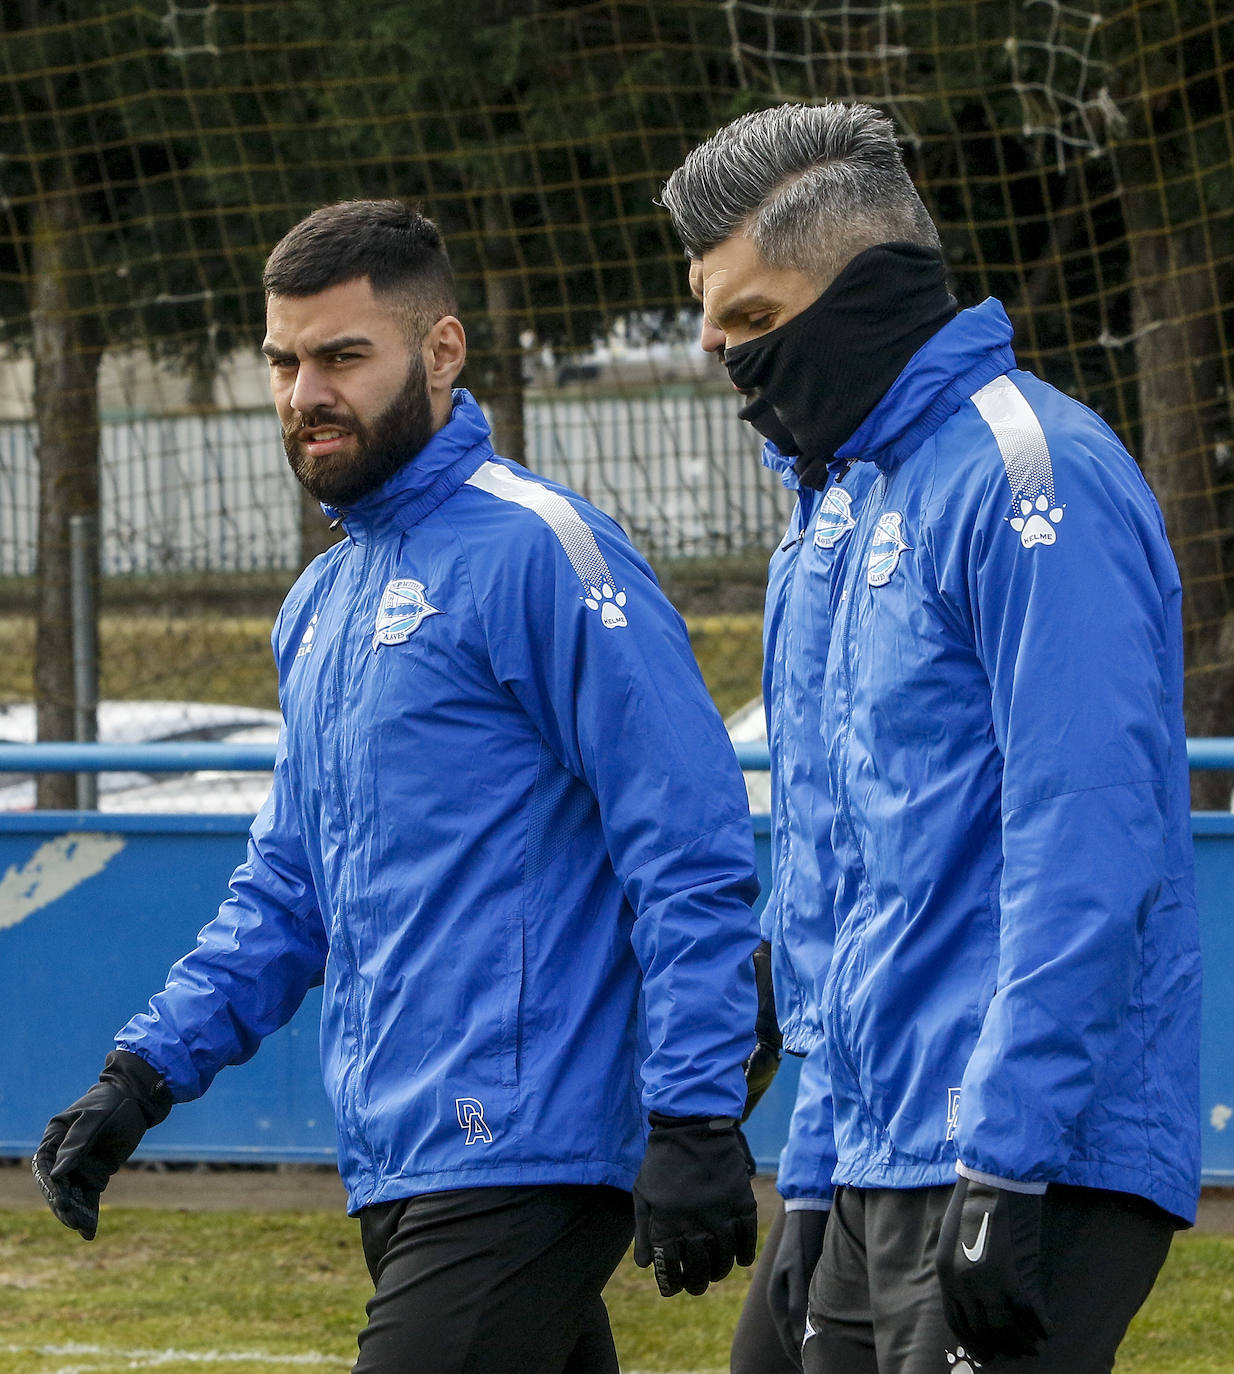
153,1359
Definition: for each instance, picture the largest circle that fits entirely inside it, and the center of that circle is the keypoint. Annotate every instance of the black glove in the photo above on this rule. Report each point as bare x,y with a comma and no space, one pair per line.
694,1210
86,1143
988,1265
764,1061
788,1284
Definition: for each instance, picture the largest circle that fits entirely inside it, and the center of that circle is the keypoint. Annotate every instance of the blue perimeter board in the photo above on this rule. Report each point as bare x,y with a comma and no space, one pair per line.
95,909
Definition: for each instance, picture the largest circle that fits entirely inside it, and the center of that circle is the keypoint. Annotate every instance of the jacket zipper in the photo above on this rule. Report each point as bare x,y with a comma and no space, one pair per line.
850,592
852,585
350,1087
784,657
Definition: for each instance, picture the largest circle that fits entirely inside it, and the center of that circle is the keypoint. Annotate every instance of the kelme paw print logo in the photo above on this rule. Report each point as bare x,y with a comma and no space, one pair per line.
609,603
1036,520
960,1361
306,644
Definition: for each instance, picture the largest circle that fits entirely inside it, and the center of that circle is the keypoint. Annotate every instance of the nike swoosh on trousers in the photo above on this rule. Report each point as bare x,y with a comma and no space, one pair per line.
978,1247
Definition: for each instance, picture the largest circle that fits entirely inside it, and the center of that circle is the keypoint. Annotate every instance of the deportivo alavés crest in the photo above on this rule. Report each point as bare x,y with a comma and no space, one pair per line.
403,609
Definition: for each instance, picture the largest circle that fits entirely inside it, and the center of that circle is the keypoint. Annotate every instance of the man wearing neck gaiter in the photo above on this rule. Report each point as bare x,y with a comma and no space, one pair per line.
983,911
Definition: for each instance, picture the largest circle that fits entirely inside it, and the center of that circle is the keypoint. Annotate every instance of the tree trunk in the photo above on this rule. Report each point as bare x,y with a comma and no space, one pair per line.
1176,313
1178,283
66,366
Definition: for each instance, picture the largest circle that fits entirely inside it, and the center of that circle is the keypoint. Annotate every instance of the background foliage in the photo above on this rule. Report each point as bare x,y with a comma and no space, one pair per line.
1079,159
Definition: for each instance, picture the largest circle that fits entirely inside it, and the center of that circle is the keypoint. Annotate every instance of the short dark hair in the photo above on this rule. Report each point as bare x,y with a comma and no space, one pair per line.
398,249
811,185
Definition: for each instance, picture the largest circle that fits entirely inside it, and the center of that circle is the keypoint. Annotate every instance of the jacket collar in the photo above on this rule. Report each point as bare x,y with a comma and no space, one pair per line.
449,458
781,465
965,354
784,468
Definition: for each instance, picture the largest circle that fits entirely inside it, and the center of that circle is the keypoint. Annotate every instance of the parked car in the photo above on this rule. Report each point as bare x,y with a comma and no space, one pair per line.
157,722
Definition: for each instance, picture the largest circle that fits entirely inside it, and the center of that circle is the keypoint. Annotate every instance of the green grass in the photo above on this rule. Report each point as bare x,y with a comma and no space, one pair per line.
1187,1324
226,658
278,1284
282,1287
271,1284
729,649
220,658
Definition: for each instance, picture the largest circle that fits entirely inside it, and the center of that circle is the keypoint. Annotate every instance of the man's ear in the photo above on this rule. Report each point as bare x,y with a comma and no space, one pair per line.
445,352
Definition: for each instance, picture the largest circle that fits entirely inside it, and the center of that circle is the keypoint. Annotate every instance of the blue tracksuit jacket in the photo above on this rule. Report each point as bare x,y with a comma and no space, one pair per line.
507,829
808,1158
974,673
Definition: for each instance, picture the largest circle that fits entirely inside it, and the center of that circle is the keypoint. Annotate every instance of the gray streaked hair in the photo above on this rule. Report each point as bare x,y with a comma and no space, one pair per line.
811,185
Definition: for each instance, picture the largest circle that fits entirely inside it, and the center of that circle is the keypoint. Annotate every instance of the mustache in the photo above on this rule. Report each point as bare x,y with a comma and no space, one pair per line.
317,419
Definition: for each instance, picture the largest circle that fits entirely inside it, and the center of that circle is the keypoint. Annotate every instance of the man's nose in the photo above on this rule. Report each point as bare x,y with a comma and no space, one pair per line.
710,339
311,391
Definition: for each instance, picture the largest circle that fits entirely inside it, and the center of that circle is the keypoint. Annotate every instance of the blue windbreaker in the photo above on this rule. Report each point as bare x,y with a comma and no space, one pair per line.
991,680
507,829
808,1158
796,633
796,630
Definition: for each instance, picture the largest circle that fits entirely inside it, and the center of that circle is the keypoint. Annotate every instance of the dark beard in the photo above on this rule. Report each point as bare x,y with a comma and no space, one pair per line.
382,448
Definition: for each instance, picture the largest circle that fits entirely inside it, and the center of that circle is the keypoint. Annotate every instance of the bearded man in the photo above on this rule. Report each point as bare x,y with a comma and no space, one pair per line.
508,832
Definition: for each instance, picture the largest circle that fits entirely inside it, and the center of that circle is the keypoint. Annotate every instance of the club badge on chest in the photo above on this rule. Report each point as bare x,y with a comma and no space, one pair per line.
403,609
885,549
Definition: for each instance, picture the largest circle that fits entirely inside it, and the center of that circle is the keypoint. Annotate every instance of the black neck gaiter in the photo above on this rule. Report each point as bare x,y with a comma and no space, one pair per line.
812,381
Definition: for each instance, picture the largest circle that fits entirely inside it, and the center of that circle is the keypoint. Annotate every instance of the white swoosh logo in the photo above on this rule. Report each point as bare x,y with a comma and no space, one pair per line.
975,1252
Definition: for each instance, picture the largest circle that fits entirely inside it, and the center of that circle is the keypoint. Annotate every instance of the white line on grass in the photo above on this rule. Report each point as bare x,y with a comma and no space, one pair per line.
119,1358
153,1359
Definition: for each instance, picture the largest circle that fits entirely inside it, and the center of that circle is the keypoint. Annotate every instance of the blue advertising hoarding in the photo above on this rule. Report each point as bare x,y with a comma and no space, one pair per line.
95,908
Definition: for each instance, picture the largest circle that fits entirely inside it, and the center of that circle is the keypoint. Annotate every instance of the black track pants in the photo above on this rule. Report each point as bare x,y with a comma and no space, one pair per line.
757,1347
499,1280
875,1306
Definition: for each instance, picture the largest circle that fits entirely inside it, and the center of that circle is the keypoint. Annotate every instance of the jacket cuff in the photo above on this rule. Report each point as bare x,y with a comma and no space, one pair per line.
807,1204
1010,1185
660,1122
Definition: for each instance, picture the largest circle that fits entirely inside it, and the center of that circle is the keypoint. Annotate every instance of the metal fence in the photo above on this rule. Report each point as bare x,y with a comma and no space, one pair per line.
211,493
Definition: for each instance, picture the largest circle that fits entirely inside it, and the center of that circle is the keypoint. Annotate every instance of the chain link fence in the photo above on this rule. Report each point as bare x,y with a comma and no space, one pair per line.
1078,158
